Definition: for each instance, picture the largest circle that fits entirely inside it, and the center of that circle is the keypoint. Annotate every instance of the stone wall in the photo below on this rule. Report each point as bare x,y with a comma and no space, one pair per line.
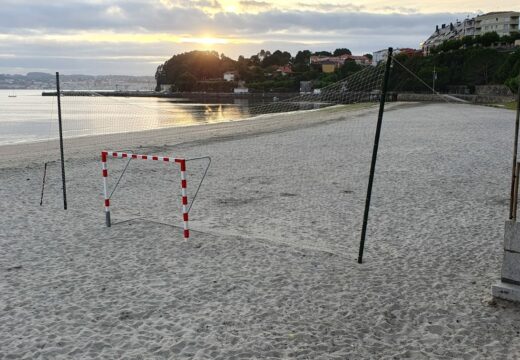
493,90
475,99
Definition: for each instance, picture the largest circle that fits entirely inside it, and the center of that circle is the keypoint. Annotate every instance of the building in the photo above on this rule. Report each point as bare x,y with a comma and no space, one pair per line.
379,56
284,70
340,60
328,67
502,22
445,32
167,87
229,76
331,63
382,55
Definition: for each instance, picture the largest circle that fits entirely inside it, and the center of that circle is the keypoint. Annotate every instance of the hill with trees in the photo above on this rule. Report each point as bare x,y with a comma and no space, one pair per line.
464,63
203,71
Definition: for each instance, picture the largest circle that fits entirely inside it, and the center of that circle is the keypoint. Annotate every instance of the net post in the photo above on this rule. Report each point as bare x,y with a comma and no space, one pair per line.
515,192
512,200
104,155
382,101
58,96
43,182
184,185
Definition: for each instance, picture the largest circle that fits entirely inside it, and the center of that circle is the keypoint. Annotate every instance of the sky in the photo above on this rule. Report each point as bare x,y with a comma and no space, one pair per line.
133,37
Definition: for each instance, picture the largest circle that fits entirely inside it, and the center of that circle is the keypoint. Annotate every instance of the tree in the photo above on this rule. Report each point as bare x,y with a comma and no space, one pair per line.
255,60
513,83
467,41
509,68
489,38
202,65
302,57
278,58
301,62
323,53
450,45
159,77
186,82
342,51
348,68
369,56
480,65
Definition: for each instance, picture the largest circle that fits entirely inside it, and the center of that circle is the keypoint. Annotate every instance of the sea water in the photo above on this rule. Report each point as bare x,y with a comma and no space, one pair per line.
27,116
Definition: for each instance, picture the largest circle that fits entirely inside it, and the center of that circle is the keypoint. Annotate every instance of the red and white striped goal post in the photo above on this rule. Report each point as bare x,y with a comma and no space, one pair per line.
122,155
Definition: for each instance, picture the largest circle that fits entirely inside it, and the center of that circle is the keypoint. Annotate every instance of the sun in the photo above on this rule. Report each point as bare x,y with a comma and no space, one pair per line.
206,41
210,40
231,8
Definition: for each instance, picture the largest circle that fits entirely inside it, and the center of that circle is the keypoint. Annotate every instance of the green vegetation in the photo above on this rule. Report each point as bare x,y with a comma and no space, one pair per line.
462,67
513,105
458,64
203,70
465,63
485,40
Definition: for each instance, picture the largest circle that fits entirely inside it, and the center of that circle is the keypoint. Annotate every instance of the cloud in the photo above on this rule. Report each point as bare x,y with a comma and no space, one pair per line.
330,7
254,5
134,15
131,32
115,11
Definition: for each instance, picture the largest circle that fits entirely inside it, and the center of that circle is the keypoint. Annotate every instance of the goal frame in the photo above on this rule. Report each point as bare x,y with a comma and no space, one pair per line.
105,154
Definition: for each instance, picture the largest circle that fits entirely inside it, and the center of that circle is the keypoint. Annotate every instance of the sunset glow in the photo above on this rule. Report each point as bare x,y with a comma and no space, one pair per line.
208,41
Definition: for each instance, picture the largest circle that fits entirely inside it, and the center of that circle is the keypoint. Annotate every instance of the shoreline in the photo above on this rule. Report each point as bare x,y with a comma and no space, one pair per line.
399,96
83,146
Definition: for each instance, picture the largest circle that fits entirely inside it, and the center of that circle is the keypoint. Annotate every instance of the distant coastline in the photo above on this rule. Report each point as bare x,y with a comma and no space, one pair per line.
178,95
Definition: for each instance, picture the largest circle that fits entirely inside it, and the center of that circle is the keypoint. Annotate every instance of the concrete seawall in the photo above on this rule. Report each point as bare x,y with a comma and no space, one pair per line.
475,99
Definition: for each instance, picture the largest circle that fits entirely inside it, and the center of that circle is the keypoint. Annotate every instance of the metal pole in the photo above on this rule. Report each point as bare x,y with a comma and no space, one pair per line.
515,154
384,91
61,141
104,156
515,192
43,183
434,78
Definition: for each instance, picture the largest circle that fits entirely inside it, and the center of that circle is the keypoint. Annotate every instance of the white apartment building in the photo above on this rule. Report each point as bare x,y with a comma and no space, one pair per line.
503,23
451,31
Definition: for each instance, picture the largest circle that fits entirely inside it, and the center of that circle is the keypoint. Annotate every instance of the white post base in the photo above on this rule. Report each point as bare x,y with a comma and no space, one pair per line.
506,291
509,286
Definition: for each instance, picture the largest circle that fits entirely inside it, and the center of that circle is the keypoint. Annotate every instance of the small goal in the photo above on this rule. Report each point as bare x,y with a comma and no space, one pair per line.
124,155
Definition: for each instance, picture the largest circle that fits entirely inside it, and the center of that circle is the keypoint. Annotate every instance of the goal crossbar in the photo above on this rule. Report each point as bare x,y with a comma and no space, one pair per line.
123,155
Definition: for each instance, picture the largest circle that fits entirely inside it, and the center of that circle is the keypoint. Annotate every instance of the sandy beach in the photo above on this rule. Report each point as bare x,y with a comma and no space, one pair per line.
270,271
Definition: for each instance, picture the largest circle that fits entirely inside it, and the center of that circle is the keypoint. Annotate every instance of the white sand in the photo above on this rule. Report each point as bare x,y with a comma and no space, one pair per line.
270,270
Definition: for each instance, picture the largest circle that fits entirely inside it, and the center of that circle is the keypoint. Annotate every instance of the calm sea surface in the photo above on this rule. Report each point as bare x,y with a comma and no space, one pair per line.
26,116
